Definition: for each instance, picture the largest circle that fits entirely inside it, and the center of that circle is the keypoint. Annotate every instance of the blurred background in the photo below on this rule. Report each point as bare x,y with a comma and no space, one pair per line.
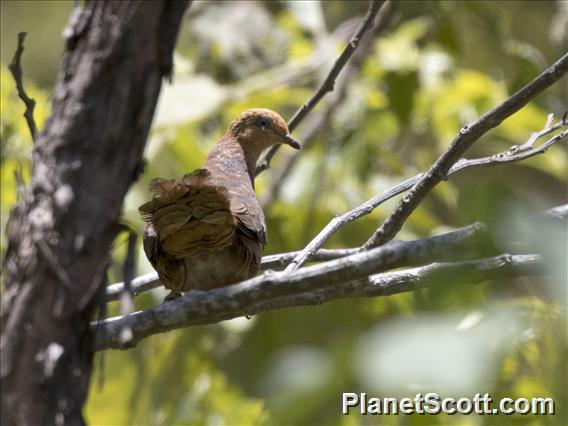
437,66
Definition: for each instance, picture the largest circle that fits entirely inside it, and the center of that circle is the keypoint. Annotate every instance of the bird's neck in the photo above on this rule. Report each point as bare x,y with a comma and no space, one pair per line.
228,160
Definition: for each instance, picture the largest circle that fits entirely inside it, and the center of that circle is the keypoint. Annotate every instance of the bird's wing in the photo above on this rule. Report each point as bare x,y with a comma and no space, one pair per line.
189,216
249,216
151,244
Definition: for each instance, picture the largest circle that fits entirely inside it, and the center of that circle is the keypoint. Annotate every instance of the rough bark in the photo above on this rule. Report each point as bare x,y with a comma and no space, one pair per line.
60,233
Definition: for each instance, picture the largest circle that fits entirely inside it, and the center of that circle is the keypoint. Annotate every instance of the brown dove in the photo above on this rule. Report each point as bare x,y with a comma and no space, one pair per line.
207,229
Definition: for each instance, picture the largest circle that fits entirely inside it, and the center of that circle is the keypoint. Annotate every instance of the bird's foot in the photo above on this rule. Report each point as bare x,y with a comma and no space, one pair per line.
172,296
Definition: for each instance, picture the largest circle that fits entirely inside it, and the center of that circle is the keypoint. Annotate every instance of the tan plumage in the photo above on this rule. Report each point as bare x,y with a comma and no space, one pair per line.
207,229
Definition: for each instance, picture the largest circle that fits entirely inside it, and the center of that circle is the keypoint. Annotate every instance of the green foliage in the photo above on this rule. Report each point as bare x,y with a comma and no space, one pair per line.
173,382
439,66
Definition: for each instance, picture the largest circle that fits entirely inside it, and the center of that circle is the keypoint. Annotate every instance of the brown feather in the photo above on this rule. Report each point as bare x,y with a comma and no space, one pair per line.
207,229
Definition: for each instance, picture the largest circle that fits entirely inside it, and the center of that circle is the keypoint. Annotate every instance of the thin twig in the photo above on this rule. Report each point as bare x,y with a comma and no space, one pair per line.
126,296
311,128
467,136
15,68
329,82
512,154
307,139
338,222
279,290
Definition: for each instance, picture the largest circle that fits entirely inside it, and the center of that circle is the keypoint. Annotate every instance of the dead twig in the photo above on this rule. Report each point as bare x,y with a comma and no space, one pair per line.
329,82
15,68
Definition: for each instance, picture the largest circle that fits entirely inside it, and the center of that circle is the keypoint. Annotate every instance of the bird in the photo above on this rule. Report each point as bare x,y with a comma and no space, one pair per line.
207,229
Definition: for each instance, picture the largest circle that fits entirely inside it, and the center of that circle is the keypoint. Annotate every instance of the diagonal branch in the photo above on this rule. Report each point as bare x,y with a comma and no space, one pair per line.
467,136
323,120
280,290
513,154
15,68
329,82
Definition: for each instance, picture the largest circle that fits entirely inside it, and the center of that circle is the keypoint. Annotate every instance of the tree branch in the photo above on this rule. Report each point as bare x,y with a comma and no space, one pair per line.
15,68
280,290
512,154
467,136
329,82
390,283
198,307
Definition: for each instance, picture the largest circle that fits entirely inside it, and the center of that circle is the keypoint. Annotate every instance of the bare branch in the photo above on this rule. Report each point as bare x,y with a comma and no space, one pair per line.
15,68
514,153
467,136
280,290
425,250
201,307
390,283
138,285
338,222
329,82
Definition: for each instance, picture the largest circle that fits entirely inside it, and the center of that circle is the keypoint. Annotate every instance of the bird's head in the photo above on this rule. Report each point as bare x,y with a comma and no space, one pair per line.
259,128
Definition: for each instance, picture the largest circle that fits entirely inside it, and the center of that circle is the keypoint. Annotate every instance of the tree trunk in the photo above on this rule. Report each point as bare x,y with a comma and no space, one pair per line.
60,233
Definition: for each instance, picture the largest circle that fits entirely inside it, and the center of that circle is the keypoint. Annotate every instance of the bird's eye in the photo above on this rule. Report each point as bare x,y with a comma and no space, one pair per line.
263,123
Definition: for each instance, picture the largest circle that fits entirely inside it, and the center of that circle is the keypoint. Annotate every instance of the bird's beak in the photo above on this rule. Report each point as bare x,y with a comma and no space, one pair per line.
289,140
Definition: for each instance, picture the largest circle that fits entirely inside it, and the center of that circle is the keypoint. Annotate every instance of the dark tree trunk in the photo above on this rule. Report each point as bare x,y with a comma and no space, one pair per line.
59,235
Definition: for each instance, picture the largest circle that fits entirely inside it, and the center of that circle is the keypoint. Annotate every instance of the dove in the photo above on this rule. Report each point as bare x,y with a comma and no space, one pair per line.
207,229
